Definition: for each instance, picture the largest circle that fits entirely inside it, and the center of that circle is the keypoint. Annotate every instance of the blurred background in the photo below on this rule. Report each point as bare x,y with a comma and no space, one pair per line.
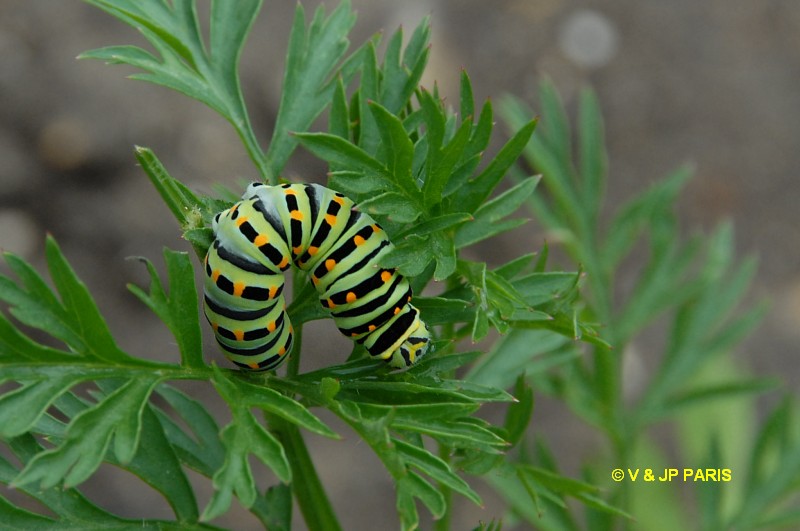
714,83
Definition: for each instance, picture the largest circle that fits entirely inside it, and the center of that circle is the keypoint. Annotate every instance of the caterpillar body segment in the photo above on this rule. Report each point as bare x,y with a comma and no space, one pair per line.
319,231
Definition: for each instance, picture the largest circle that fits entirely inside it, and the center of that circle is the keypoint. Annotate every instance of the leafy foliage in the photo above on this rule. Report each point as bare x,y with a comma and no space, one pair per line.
418,167
410,162
695,285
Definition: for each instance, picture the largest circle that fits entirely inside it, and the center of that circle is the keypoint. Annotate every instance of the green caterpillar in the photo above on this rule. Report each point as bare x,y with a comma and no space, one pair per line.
321,232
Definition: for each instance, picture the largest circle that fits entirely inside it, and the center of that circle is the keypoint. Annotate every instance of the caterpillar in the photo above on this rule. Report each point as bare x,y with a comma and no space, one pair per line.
320,231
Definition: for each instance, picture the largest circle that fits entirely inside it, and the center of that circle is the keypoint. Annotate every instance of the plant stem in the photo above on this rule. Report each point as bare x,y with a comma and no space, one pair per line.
306,486
444,523
607,362
245,130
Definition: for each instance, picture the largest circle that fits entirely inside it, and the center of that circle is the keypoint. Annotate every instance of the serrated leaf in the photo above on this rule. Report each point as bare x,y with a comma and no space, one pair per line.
354,183
395,206
22,407
283,406
414,485
338,117
478,142
407,510
157,464
313,55
398,149
436,468
200,239
435,224
340,153
416,51
440,310
598,503
345,372
556,132
411,257
769,440
72,509
203,450
550,157
633,217
456,433
419,412
480,325
124,54
513,268
33,304
476,391
557,482
434,118
538,288
442,162
184,63
178,310
487,219
467,100
470,196
389,392
400,78
499,289
716,391
243,436
81,312
513,355
444,252
75,319
367,135
518,415
593,159
118,415
16,346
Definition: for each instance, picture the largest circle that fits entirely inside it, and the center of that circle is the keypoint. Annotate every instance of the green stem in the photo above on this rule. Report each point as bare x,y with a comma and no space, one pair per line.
307,488
445,522
253,148
607,362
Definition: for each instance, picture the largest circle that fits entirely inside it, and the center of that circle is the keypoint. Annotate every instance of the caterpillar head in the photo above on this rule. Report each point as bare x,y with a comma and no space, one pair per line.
413,348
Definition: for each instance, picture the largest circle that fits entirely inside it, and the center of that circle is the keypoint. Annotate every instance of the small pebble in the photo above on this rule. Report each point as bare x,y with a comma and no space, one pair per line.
588,38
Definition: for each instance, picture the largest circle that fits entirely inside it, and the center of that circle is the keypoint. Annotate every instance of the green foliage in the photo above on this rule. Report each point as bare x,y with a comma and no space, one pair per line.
390,414
207,72
418,167
693,285
425,145
409,161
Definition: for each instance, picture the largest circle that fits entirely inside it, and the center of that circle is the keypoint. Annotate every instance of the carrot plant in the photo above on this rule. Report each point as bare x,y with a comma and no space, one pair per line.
420,167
